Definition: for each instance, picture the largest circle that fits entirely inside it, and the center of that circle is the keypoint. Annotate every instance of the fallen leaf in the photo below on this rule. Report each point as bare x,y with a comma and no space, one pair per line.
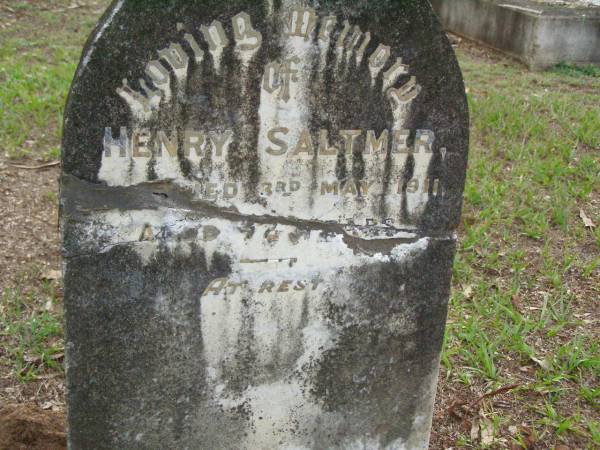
474,430
468,291
529,439
487,432
466,425
543,363
526,369
516,302
587,222
51,275
32,359
57,356
452,409
40,166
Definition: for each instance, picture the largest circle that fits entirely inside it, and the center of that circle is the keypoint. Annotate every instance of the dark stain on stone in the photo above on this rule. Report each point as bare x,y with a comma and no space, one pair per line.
375,357
127,323
155,149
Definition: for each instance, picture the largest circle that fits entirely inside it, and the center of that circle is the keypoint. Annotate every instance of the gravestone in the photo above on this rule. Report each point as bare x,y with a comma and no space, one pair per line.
258,207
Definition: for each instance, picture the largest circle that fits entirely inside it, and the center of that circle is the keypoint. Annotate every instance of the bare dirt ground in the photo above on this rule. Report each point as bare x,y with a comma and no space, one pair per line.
26,427
29,254
29,213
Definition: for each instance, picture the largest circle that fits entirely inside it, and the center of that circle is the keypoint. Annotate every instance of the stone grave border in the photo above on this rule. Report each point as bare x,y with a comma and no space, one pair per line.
540,35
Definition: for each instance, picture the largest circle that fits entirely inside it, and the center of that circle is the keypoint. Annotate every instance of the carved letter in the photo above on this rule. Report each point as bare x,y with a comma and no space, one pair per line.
282,145
198,52
266,286
424,141
375,145
221,141
327,26
215,36
215,287
288,75
121,144
234,286
230,190
157,72
401,100
217,41
301,22
378,60
412,186
324,148
350,137
329,188
211,191
342,37
175,56
160,77
405,93
193,140
365,186
284,286
391,76
246,37
141,106
169,144
354,38
300,286
401,141
281,76
349,188
141,139
305,144
360,53
271,77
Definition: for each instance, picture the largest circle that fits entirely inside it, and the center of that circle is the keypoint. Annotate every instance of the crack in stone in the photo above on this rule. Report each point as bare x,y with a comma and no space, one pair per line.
85,197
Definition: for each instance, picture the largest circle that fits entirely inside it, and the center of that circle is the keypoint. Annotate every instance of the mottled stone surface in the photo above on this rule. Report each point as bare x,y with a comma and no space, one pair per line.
259,201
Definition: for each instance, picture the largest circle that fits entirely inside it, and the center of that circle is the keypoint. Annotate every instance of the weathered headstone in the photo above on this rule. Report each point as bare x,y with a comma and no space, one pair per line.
259,201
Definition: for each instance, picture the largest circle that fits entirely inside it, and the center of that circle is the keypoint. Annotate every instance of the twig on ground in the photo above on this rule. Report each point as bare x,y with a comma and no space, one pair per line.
452,410
499,391
8,8
41,166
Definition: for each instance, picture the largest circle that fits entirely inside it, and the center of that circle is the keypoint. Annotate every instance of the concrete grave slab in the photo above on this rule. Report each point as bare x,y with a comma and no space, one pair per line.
539,33
258,207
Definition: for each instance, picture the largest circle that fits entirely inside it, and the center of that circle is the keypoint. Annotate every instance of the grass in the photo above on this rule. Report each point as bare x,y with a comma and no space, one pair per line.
38,56
524,308
31,327
572,70
526,274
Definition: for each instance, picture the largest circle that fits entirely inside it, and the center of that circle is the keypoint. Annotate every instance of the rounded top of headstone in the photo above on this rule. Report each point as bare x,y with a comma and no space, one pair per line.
351,113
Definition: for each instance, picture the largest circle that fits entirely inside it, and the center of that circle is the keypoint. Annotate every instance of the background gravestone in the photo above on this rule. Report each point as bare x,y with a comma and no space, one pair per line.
259,201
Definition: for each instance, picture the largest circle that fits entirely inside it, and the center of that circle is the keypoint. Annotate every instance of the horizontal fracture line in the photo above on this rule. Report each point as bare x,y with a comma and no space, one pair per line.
266,260
83,197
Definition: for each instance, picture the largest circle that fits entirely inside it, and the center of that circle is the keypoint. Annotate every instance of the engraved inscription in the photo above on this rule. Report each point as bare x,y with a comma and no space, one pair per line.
372,176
